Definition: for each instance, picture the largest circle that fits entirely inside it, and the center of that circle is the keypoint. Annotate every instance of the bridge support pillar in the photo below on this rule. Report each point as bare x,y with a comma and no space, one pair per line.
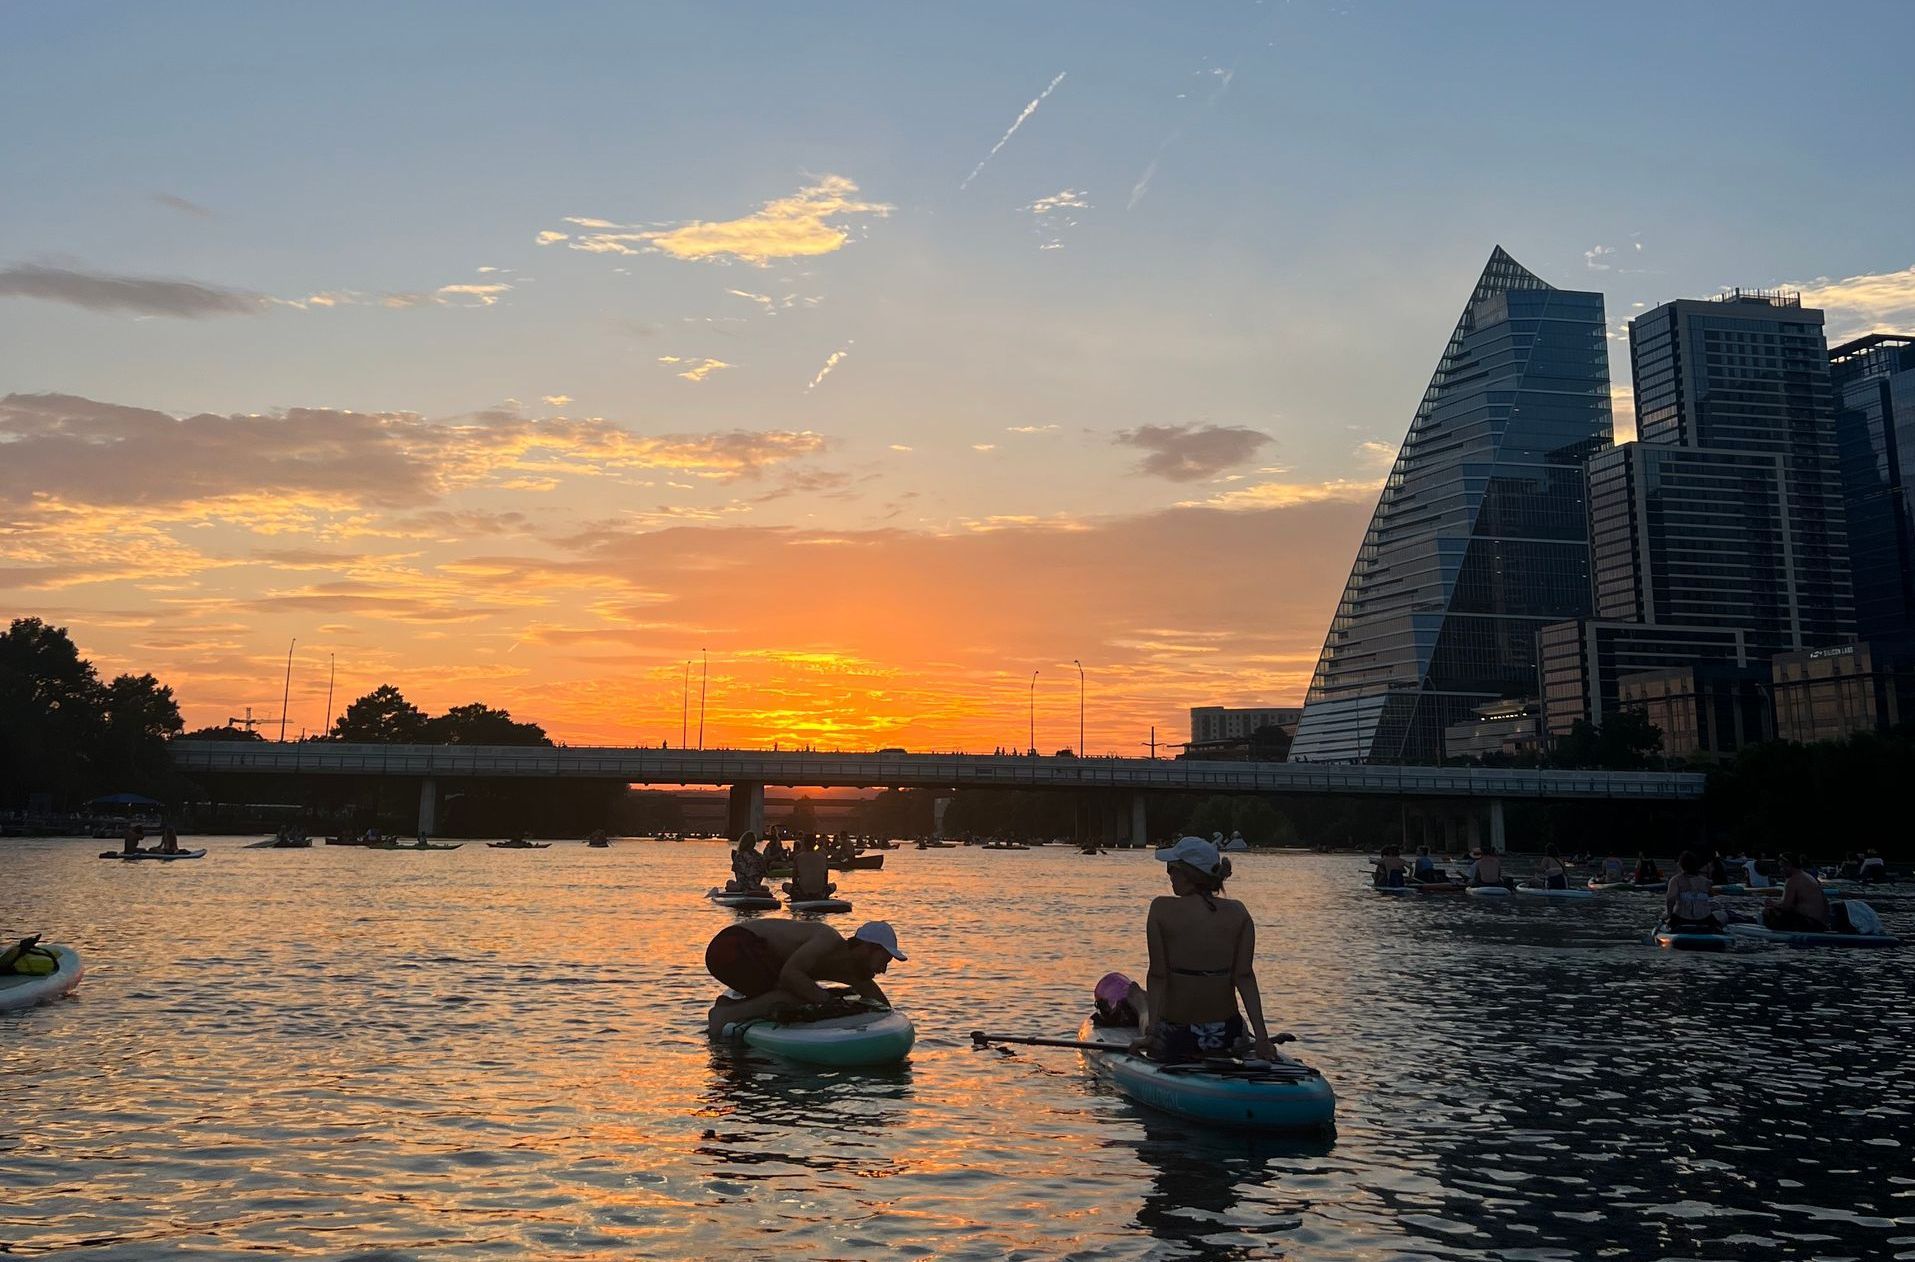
428,807
1139,827
746,811
1496,825
938,807
1475,830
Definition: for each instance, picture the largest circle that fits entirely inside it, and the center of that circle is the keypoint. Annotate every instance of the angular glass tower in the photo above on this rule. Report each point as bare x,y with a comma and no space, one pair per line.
1481,535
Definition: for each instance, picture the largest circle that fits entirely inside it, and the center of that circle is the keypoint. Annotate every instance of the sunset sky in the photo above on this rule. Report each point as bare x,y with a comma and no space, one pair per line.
887,353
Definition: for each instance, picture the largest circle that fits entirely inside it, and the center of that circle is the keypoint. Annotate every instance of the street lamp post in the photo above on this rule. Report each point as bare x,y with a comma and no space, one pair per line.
332,672
1080,707
704,677
287,693
1033,713
685,706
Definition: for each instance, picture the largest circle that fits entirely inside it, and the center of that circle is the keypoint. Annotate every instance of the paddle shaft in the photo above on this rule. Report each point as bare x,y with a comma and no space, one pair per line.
980,1038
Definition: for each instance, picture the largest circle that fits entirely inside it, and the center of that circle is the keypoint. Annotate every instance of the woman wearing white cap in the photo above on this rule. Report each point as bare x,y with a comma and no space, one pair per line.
1202,956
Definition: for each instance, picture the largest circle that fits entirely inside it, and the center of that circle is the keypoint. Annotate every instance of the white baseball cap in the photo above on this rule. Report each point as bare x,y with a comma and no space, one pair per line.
1195,851
880,933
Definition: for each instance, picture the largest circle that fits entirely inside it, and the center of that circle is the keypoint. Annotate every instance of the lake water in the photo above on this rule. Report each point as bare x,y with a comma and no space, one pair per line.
340,1053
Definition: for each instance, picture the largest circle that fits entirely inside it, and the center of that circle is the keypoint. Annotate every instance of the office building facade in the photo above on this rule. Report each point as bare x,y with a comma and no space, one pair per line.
1833,693
1581,663
1705,710
1219,723
1479,537
1728,510
1874,380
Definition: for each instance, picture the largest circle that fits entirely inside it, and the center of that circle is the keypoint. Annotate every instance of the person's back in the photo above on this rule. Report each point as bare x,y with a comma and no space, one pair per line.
130,843
810,872
1555,875
1200,951
1487,870
1425,866
1804,906
1612,870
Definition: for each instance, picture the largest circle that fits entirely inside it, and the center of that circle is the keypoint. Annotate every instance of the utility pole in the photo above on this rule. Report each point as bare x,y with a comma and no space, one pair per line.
332,672
684,706
1080,708
704,678
1033,714
288,691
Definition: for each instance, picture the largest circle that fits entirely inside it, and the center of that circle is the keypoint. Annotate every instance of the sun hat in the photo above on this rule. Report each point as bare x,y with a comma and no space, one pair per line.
1195,851
880,933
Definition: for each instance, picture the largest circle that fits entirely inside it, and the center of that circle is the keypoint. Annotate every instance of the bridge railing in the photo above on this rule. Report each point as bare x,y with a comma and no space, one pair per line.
725,766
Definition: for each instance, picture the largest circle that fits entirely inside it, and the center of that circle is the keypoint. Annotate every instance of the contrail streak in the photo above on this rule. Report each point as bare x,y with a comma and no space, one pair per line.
1028,111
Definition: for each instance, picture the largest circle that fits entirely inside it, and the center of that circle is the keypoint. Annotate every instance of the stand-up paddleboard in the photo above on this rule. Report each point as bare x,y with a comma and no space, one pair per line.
818,906
1282,1095
739,901
1437,887
874,1036
1797,938
1393,889
1535,891
153,854
21,990
413,845
1732,887
1487,891
519,845
1689,940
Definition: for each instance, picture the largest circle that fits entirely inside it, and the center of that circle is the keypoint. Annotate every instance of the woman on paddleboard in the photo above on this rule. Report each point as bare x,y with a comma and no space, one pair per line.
1687,903
1202,954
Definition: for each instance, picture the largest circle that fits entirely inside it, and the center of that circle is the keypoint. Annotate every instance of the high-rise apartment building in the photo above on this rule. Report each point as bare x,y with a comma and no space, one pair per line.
1728,510
1874,379
1480,535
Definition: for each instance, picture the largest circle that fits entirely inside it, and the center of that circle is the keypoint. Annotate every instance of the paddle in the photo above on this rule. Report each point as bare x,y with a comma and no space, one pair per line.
980,1039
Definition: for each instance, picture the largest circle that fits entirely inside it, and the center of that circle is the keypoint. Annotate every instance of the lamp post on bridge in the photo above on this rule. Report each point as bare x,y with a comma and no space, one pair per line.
704,677
1080,708
685,705
1033,713
287,693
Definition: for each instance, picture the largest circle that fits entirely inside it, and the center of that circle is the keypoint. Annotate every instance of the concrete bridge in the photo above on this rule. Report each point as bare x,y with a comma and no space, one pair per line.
1119,782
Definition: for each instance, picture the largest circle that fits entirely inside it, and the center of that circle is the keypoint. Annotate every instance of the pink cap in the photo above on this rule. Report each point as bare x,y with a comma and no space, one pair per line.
1113,988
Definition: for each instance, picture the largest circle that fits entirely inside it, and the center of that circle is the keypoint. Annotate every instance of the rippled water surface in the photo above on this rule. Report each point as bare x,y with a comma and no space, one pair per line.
343,1053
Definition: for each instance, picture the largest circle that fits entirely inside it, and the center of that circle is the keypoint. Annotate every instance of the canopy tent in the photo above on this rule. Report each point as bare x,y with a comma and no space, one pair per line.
125,799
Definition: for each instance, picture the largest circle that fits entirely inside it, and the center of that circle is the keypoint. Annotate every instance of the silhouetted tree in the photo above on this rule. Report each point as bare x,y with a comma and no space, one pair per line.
225,733
382,717
140,715
479,724
50,715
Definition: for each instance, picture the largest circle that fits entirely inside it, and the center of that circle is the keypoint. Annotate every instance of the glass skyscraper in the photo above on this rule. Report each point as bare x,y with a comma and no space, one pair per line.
1874,380
1480,536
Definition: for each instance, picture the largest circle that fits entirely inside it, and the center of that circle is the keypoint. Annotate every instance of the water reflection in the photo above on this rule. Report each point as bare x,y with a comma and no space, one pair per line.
1215,1194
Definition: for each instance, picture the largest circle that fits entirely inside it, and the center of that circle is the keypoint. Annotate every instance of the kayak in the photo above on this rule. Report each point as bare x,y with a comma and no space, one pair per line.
1536,891
739,901
152,854
23,991
1798,938
1285,1095
1690,940
876,1036
1487,891
818,905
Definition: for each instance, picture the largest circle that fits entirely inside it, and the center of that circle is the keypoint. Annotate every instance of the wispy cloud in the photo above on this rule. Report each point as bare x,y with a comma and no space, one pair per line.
1221,78
1052,216
1189,453
1265,495
1015,124
1029,429
482,295
695,369
983,446
140,295
1880,302
831,361
558,400
182,205
806,224
1594,257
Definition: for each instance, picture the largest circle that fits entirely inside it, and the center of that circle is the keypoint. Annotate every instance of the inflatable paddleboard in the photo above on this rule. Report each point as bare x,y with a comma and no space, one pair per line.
1393,889
1687,940
1532,891
878,1036
738,901
21,991
519,845
1487,891
1796,938
1284,1095
818,905
152,854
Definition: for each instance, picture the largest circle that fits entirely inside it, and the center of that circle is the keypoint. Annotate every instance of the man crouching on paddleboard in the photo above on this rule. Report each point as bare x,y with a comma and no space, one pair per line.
777,964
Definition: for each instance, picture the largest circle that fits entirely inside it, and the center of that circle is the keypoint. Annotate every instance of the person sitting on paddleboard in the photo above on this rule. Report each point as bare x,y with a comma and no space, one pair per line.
169,842
1202,956
1425,871
1647,873
1488,868
1874,869
810,872
1612,870
1121,1004
1555,875
776,856
747,867
777,964
1804,907
1687,905
130,844
1391,872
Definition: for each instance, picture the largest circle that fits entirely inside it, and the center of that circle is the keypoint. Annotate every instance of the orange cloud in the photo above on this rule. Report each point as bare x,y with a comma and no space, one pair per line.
803,225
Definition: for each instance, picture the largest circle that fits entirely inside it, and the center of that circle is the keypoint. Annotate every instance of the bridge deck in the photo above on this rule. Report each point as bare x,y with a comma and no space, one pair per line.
937,771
